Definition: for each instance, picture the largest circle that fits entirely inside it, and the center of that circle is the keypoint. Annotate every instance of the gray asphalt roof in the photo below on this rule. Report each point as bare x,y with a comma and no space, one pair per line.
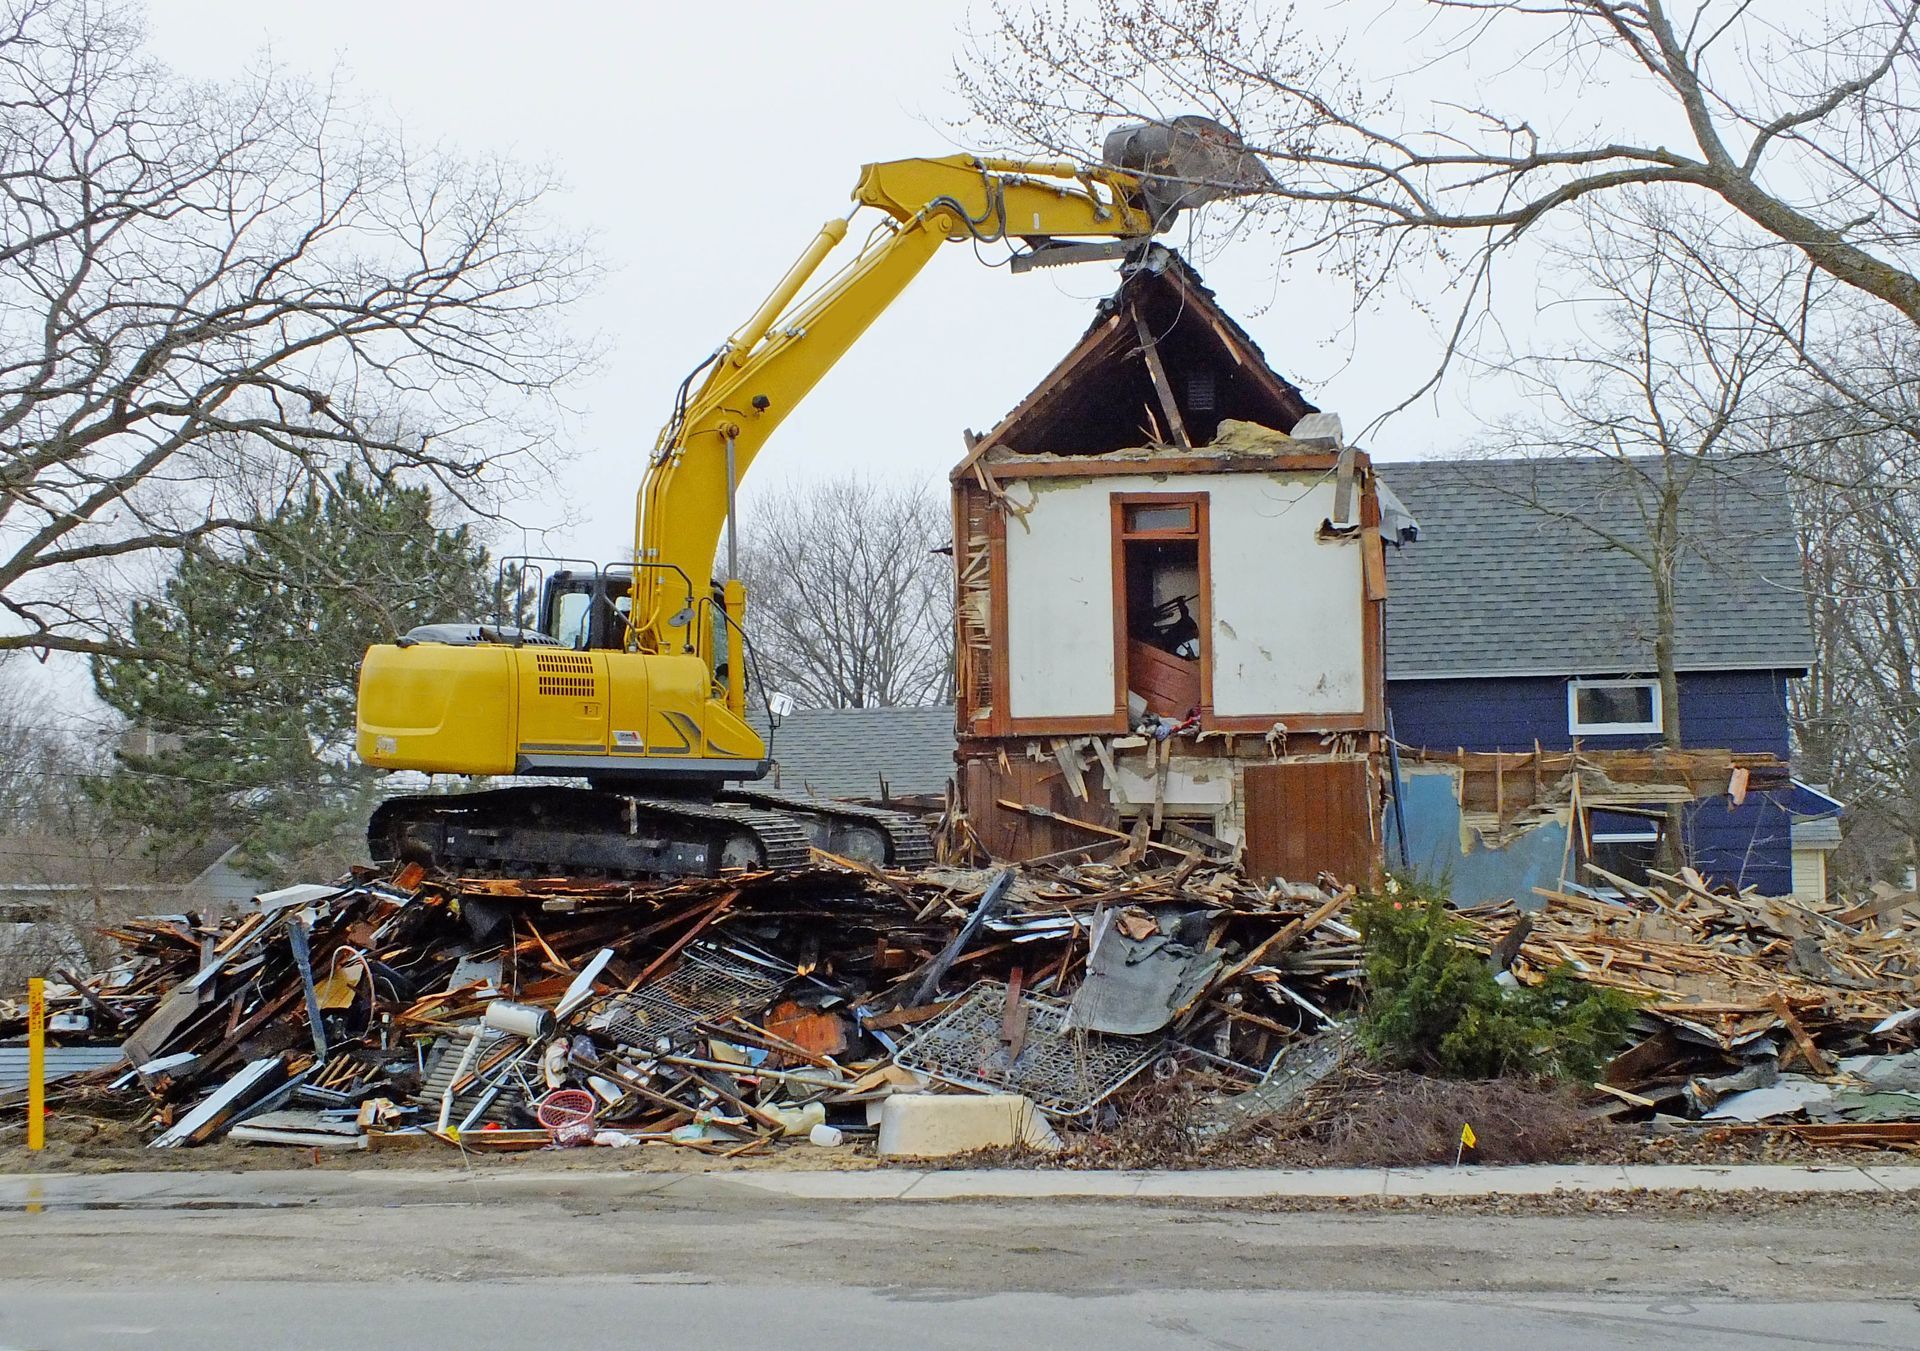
845,752
1816,832
1507,578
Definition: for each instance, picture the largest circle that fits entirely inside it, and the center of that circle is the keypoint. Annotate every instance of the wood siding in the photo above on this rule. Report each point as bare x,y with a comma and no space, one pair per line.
1723,710
1014,836
1306,817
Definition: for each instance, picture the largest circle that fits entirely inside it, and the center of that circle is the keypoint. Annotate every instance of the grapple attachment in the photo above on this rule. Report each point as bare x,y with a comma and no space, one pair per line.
1184,162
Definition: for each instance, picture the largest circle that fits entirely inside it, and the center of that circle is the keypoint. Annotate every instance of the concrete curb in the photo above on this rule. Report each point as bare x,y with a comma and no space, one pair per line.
278,1189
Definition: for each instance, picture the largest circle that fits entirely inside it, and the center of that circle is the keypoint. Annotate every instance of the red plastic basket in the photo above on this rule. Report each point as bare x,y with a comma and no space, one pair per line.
567,1113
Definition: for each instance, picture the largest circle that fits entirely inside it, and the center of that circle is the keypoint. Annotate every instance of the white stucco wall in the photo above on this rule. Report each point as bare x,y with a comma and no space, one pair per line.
1288,634
1287,607
1060,599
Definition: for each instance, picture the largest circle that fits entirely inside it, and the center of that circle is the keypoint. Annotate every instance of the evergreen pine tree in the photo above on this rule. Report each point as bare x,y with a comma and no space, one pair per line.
254,657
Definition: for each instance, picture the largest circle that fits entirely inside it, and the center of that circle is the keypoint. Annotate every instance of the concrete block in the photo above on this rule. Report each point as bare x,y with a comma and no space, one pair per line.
933,1125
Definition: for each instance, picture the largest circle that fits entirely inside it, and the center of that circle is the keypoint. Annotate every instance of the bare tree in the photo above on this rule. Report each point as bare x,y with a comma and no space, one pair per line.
64,872
37,760
1669,383
849,604
205,289
1797,123
1856,456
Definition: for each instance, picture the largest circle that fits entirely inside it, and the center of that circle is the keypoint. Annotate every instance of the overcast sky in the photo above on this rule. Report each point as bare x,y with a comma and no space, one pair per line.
704,144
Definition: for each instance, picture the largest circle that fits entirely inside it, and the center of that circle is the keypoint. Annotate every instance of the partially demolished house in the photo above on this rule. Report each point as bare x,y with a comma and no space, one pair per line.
1522,680
1170,610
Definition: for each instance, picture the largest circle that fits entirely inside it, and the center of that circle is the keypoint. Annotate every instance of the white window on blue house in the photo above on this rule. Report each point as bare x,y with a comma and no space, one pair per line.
1612,707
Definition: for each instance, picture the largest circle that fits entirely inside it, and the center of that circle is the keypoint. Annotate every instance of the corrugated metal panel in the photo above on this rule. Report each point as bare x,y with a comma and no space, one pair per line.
1309,816
61,1061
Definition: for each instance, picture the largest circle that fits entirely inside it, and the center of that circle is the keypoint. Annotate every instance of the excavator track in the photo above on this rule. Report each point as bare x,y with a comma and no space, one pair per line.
546,832
870,834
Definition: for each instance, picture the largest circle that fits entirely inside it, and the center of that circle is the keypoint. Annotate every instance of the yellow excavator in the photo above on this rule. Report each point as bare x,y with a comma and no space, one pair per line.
634,677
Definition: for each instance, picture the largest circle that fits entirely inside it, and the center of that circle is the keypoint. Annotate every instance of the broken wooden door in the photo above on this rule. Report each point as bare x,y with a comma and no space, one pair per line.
1305,817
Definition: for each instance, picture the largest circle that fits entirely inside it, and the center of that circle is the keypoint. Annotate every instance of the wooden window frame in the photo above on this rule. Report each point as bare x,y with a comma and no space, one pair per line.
1202,534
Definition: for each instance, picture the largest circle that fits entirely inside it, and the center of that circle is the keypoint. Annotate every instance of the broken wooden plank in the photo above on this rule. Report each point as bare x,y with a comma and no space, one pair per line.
1817,1062
1047,814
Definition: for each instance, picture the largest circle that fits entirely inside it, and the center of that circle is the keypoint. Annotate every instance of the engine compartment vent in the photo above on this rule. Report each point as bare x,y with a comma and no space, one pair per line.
566,675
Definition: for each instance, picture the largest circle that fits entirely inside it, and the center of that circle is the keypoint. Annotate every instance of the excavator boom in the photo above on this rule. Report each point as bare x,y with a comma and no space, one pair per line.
636,679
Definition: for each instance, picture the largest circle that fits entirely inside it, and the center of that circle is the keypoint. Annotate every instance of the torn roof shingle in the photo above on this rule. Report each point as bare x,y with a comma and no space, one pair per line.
846,752
1505,580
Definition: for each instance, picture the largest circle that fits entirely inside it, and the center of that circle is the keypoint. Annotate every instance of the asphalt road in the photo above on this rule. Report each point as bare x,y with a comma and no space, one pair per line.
286,1261
298,1316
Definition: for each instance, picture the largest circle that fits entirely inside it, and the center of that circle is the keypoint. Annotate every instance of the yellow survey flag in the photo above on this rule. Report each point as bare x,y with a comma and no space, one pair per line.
1467,1138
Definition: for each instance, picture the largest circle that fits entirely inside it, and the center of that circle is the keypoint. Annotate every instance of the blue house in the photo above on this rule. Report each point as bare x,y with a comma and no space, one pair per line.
1522,621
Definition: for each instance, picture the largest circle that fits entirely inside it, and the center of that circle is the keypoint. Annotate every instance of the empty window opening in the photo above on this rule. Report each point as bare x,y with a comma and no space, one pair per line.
1627,845
1194,830
1161,558
1613,707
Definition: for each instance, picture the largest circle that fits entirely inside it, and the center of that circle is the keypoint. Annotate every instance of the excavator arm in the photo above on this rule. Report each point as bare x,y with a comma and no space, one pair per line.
639,719
764,369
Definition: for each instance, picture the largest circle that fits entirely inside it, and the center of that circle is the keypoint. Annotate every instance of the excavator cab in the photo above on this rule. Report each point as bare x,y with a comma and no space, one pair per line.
591,610
587,610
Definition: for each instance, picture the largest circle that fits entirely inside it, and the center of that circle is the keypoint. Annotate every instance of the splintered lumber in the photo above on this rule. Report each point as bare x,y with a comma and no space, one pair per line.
1285,937
1631,1099
1047,814
1808,1051
728,1013
712,913
1694,952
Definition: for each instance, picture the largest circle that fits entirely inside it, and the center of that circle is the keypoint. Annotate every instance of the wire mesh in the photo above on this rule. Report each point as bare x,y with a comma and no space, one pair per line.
1066,1072
1305,1064
706,986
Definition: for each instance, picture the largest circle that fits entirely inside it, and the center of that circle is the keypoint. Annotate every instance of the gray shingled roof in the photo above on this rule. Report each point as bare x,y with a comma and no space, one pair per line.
1496,585
845,752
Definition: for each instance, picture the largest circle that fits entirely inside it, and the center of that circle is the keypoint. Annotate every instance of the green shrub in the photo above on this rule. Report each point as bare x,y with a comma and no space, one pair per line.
1433,1003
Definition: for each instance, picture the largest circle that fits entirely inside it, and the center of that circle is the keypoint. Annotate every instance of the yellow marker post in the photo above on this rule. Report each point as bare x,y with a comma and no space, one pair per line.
36,1063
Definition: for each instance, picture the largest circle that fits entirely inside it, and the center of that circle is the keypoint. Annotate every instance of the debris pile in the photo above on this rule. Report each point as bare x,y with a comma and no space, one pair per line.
931,1012
1755,1009
722,1014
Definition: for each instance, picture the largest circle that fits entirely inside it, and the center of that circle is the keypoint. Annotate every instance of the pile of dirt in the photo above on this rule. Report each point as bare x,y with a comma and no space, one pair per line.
1357,1117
